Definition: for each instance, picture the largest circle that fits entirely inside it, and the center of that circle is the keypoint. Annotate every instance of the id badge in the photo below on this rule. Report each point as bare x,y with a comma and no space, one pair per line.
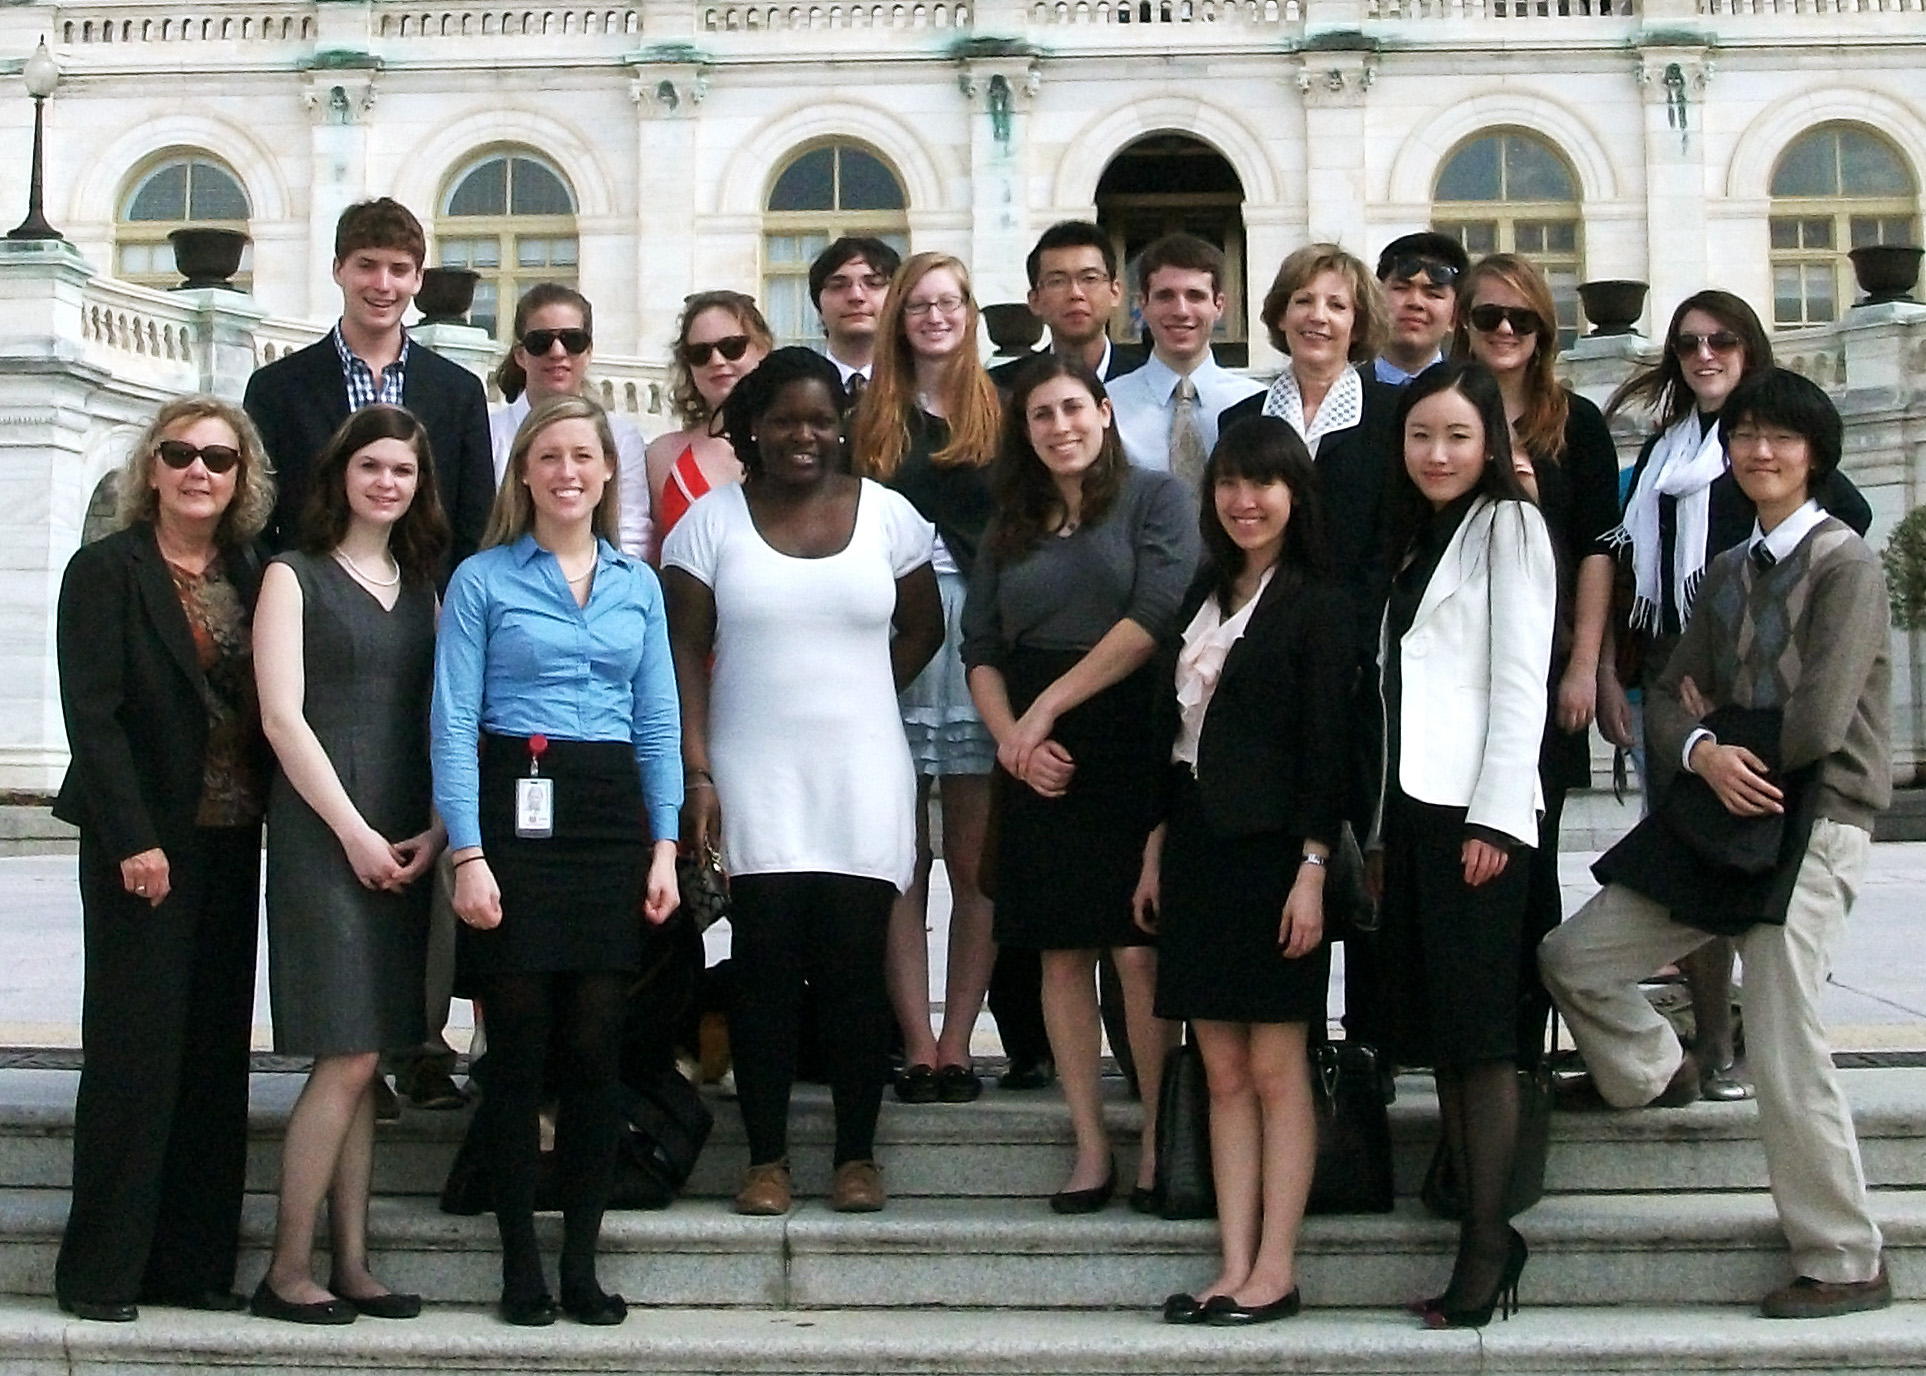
534,808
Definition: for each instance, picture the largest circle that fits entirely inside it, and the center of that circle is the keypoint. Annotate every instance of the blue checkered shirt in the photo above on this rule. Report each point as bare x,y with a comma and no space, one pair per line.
363,388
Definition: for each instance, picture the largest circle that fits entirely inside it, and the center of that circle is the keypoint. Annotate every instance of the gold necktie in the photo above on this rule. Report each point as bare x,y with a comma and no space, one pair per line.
1187,454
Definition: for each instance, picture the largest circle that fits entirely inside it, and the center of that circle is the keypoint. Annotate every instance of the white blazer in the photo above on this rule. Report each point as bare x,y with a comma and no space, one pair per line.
1475,666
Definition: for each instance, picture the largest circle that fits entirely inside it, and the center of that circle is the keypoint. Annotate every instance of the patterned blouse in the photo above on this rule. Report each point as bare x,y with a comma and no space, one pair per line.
233,793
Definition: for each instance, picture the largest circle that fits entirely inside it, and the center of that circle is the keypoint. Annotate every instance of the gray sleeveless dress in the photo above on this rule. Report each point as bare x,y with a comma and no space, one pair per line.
346,964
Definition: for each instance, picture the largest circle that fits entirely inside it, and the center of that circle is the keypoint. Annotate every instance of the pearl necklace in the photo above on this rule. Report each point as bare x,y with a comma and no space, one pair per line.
360,573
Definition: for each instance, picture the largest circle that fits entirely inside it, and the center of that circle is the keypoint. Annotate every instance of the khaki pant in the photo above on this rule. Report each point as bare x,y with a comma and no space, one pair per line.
1592,966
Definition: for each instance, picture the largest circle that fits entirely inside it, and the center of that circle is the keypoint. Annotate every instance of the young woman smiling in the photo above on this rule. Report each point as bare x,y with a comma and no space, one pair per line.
927,427
1465,647
558,773
1233,878
344,641
1078,581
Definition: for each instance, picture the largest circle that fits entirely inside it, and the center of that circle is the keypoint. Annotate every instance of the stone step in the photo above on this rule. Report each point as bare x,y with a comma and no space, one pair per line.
35,1340
1018,1145
1586,1249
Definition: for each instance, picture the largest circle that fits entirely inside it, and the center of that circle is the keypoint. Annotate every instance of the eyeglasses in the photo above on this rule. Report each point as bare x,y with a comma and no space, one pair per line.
1411,269
217,458
1088,281
1487,319
538,342
842,282
1719,342
945,305
731,347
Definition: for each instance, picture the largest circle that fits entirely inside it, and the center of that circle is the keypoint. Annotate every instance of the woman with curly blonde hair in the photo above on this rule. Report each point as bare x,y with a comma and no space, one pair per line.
168,785
927,426
719,340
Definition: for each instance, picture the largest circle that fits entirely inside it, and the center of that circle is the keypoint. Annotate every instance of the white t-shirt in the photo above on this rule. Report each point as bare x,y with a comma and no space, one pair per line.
805,740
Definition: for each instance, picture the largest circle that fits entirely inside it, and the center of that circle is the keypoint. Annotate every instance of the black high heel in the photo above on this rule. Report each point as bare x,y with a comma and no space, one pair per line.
1504,1296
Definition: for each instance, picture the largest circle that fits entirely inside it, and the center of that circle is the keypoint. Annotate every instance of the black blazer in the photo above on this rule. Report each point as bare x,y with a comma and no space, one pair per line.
1273,755
1351,467
298,402
130,691
1124,358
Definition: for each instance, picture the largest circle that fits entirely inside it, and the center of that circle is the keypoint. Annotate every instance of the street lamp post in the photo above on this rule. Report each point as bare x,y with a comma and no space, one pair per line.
42,75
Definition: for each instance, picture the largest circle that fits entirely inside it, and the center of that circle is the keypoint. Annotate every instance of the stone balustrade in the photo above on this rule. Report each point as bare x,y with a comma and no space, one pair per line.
242,22
470,21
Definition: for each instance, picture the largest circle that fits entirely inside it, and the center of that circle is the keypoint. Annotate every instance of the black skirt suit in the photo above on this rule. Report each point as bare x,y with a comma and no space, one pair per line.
1271,759
160,1125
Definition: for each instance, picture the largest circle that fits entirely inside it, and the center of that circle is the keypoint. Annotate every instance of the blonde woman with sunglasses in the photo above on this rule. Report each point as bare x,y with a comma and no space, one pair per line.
719,340
554,345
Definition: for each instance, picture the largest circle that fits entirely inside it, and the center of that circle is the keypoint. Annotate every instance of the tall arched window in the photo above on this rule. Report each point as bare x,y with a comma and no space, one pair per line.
1507,191
820,195
510,216
178,190
1836,188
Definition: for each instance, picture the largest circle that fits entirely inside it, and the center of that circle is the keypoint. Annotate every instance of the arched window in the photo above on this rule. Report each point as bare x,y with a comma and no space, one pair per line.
1511,192
510,216
1836,188
180,189
820,195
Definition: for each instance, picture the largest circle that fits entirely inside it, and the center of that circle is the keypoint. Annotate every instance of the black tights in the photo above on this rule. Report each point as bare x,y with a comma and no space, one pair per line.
583,1014
828,929
1478,1107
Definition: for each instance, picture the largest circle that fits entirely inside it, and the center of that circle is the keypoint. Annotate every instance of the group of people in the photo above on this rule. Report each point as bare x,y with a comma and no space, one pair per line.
1167,645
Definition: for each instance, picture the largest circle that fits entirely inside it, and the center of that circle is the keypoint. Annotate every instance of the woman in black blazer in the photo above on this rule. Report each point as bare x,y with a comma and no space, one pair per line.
167,784
1233,879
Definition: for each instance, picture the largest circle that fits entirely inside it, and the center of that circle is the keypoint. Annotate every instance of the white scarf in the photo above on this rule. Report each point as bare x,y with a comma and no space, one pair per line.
1683,466
1342,407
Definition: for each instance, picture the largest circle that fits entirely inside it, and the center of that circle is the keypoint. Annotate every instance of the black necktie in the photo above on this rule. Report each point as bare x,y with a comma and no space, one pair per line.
1762,558
855,387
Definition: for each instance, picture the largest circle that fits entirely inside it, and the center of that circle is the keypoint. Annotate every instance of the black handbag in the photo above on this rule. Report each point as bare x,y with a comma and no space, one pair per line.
1185,1187
1692,813
1353,1171
668,1125
702,885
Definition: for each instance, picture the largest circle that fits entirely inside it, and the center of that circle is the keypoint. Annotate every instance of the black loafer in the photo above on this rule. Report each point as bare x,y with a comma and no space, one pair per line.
957,1084
917,1085
100,1311
208,1301
1224,1312
388,1306
538,1312
1183,1307
268,1305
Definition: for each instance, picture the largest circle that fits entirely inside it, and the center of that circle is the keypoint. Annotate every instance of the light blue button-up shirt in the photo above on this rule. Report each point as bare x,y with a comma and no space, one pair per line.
1143,402
517,657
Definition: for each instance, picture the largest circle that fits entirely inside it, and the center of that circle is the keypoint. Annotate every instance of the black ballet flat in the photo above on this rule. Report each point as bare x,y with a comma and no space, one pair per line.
1221,1311
1147,1199
1184,1307
388,1306
268,1305
1087,1201
100,1311
536,1312
596,1308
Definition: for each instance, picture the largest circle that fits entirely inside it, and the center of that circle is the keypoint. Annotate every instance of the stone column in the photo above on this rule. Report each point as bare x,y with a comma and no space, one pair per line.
668,85
1673,82
1333,82
998,91
339,92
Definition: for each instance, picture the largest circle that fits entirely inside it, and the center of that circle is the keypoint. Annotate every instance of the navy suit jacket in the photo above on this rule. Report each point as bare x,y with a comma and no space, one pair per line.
1124,358
298,402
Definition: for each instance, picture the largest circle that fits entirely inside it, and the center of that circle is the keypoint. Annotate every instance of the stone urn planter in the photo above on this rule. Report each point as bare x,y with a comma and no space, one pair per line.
1612,305
446,295
1886,272
1013,330
207,257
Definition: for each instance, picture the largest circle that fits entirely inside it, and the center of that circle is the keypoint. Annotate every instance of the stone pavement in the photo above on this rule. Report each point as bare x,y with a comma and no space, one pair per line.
1877,1001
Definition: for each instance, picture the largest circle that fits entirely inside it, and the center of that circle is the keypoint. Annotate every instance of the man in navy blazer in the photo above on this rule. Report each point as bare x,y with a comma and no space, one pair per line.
298,402
1074,290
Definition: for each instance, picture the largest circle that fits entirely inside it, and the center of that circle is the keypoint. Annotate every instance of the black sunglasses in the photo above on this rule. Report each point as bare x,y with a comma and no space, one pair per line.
1411,269
217,458
1486,319
538,342
1719,342
731,347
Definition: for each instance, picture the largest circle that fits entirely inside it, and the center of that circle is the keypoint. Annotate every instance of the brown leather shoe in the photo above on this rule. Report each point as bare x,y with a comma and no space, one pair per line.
1683,1088
765,1190
858,1188
1806,1298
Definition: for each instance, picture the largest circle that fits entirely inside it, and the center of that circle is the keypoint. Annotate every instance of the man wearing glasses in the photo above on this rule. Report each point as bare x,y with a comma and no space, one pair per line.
1074,290
847,284
298,402
1420,274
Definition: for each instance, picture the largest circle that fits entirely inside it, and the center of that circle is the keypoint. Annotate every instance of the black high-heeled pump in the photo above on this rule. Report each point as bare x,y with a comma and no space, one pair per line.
1504,1295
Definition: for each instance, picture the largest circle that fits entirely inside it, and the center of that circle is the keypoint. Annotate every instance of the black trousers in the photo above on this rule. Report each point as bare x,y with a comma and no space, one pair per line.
828,929
160,1125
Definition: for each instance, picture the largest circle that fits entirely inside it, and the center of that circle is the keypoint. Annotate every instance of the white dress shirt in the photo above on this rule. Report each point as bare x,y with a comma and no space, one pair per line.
635,525
1144,402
